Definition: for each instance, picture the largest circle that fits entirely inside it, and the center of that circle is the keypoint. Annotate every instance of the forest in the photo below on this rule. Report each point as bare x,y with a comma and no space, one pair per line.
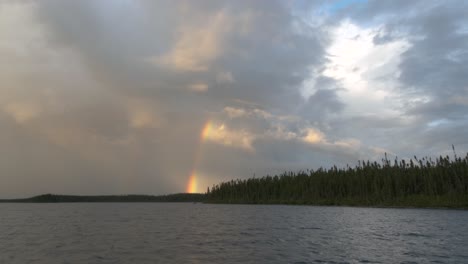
425,182
442,182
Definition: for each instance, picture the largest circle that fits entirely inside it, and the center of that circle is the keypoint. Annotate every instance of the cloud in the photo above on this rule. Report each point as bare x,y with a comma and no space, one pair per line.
22,112
262,126
313,136
222,135
367,72
100,99
116,94
431,75
198,87
224,77
197,47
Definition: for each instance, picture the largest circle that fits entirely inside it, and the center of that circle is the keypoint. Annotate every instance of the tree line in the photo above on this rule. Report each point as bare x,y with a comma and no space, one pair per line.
54,198
425,182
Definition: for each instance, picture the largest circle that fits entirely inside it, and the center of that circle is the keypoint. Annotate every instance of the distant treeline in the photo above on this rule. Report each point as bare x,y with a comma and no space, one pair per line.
425,182
442,182
53,198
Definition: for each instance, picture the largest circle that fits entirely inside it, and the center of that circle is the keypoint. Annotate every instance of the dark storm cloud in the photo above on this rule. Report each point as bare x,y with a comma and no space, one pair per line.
113,39
436,63
266,59
435,66
447,108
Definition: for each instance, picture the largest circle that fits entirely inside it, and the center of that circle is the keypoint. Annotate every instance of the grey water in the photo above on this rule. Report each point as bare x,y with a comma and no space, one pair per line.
205,233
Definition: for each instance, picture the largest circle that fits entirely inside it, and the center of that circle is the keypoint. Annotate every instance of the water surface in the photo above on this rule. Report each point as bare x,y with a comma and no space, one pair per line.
203,233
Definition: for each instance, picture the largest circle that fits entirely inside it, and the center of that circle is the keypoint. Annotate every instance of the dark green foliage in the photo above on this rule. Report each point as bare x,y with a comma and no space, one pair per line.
53,198
418,183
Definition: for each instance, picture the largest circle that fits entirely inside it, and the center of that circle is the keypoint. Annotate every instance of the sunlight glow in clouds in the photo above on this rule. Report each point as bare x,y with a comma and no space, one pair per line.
220,134
198,87
22,112
313,136
197,46
367,71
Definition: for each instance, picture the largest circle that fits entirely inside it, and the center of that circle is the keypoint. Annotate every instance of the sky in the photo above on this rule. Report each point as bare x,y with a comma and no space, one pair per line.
158,97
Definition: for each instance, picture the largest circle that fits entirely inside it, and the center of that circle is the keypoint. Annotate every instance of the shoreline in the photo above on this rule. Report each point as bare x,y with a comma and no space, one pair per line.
31,201
352,206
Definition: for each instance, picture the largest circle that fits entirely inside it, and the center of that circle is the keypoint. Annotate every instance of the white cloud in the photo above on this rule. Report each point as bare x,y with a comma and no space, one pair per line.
367,72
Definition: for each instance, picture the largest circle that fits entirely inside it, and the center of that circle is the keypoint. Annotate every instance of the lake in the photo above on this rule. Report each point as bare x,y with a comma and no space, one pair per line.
206,233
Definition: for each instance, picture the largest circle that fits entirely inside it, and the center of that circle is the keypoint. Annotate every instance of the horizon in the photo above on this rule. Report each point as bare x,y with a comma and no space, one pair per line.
165,97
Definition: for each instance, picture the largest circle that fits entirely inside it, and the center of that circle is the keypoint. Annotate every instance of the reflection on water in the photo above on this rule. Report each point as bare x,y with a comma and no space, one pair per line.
201,233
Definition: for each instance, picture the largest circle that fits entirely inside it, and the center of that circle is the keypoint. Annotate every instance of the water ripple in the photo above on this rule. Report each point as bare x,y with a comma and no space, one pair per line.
199,233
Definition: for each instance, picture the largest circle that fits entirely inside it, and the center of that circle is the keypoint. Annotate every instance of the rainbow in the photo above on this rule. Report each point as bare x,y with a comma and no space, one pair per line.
192,186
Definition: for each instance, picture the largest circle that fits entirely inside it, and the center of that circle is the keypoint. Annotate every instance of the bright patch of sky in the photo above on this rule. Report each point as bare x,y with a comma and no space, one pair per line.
368,73
335,6
437,123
